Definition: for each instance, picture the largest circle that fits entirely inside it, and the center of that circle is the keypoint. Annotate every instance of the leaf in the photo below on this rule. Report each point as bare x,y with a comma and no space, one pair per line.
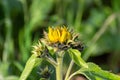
31,63
94,72
39,10
76,56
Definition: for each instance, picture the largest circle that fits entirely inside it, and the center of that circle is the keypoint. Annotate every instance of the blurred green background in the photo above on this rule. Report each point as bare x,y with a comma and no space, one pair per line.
22,23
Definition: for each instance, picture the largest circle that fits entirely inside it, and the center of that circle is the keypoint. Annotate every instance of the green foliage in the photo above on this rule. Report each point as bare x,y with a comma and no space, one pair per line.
22,23
76,56
94,72
31,63
90,70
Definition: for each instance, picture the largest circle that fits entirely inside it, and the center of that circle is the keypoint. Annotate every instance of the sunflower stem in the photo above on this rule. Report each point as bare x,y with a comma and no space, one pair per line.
51,60
69,69
59,74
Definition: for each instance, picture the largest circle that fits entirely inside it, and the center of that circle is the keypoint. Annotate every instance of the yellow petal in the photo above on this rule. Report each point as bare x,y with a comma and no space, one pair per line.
58,32
50,34
63,36
55,35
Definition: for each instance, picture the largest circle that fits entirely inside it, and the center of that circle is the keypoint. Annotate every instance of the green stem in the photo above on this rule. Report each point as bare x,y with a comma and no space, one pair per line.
59,75
75,73
69,70
51,60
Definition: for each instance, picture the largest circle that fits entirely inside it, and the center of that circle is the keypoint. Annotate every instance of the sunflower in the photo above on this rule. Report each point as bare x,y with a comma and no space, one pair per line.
62,38
58,39
58,34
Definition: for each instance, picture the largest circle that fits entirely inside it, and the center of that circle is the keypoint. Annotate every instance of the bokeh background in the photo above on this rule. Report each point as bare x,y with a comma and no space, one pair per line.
22,23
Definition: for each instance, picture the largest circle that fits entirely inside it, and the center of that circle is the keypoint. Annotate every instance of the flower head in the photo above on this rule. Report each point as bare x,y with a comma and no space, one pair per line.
45,72
40,49
37,48
58,34
62,38
58,39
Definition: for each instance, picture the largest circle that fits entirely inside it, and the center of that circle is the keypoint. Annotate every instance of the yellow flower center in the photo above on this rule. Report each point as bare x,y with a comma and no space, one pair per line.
58,34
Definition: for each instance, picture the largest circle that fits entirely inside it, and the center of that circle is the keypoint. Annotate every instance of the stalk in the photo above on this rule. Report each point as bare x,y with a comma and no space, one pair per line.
59,75
69,70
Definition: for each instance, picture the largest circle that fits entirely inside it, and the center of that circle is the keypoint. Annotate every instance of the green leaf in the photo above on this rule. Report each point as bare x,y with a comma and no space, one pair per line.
76,56
94,72
31,63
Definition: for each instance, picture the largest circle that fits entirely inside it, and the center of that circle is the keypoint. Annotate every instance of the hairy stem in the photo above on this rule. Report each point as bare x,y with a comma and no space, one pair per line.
59,75
69,70
72,75
51,60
